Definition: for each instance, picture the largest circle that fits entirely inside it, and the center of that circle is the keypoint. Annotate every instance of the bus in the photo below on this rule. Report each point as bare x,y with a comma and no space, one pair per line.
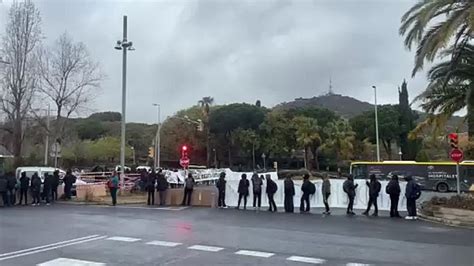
437,176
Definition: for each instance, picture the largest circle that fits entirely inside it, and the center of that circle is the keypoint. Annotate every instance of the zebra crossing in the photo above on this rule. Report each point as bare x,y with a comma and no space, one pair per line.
194,247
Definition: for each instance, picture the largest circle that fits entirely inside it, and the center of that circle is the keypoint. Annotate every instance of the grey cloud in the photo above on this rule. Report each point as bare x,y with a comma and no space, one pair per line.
239,51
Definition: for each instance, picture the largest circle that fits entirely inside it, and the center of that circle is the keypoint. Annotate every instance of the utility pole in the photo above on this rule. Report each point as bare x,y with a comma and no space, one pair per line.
125,46
46,142
376,125
157,158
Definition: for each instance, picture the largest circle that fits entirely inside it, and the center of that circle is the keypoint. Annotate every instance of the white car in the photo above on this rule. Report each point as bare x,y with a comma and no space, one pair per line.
41,170
127,169
143,167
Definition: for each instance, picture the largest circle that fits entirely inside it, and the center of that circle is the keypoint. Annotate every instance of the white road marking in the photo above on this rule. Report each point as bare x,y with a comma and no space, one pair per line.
306,260
123,239
356,264
53,247
70,262
164,243
206,248
254,253
46,246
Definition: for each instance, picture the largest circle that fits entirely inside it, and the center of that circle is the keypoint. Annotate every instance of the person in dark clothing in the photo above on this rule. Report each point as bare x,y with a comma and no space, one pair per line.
374,190
305,188
11,185
54,186
272,188
326,191
69,180
188,190
47,186
36,189
221,186
393,190
24,184
289,194
257,183
113,184
412,193
243,191
162,187
150,186
349,188
4,191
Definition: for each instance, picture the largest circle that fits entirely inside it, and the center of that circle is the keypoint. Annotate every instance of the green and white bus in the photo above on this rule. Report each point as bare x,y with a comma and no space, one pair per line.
437,176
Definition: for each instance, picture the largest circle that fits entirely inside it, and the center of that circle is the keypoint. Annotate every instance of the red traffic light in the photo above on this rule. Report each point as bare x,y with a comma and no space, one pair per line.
453,136
184,148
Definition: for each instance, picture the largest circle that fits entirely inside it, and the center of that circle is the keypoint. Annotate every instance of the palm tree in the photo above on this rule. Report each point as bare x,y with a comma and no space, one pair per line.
205,103
451,89
341,139
433,24
307,134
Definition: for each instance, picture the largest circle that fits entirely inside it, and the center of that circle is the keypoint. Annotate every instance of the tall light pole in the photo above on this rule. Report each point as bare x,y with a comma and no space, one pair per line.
158,138
46,144
125,46
376,125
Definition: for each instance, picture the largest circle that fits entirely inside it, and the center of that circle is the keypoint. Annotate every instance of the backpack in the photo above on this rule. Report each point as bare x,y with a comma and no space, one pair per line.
312,188
416,190
345,186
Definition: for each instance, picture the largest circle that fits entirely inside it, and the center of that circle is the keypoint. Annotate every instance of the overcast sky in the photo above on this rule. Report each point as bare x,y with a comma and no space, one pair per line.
237,51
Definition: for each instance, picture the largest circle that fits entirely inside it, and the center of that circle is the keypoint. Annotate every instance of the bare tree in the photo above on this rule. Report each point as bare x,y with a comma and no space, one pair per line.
19,79
69,78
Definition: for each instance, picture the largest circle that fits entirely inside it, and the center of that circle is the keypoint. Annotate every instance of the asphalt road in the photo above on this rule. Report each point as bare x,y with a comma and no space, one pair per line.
94,235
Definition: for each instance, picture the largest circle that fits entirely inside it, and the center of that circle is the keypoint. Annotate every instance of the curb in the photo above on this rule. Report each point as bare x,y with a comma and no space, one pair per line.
447,222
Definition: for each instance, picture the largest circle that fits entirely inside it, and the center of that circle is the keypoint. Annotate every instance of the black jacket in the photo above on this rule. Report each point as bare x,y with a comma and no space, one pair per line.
48,182
244,186
69,180
24,182
272,187
3,184
161,183
289,187
393,188
221,183
55,181
349,187
11,180
305,188
151,181
35,183
374,188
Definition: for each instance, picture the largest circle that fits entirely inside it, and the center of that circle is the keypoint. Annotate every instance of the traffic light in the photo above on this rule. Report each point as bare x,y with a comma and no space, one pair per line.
200,125
151,152
184,151
453,140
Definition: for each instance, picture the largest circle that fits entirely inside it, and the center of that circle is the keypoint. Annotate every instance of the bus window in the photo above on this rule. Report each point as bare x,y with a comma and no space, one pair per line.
359,171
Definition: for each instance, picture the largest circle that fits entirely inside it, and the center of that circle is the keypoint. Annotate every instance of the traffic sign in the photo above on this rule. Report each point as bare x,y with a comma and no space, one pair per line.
456,155
184,162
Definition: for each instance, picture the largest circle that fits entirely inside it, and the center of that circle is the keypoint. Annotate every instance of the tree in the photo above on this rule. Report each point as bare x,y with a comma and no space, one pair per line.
388,116
278,135
451,89
69,78
89,129
205,103
433,24
307,135
107,116
341,138
249,142
406,124
23,35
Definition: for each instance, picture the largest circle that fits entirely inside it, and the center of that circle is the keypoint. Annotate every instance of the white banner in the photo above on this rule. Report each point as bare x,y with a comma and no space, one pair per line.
338,198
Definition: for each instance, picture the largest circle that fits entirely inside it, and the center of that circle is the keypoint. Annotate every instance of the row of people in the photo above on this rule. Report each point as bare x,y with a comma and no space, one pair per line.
46,189
412,193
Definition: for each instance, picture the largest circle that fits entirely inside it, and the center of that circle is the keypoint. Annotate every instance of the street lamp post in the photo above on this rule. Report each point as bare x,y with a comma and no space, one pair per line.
376,125
125,46
158,139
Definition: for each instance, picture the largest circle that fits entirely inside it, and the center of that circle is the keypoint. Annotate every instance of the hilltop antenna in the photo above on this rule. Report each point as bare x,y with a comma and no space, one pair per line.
330,92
